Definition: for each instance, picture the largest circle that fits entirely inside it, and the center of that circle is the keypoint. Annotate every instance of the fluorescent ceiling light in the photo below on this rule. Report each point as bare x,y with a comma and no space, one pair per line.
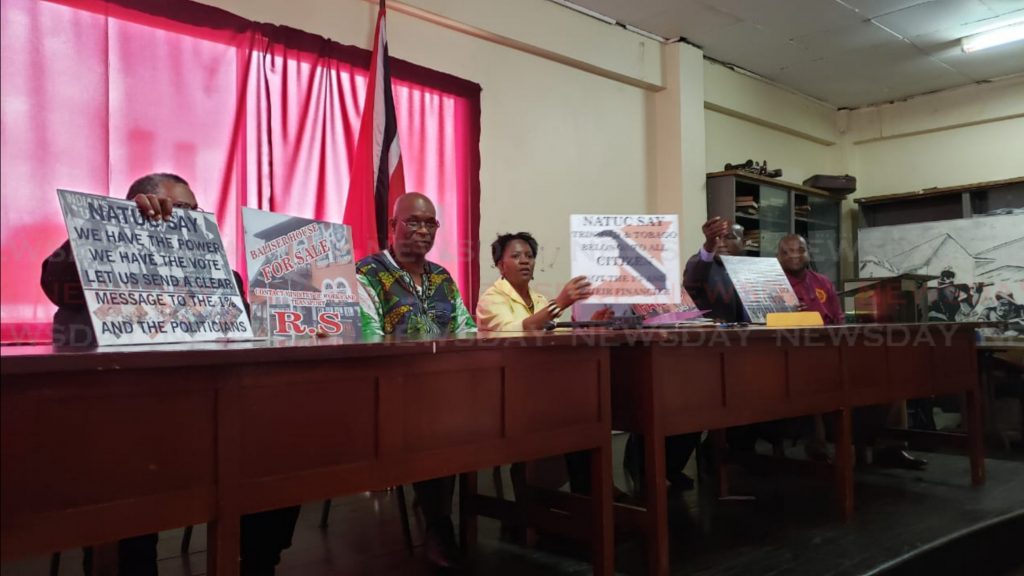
997,37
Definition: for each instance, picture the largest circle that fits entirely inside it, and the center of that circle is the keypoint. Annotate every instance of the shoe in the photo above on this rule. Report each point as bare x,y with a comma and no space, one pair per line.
632,464
618,495
679,482
441,548
817,452
897,458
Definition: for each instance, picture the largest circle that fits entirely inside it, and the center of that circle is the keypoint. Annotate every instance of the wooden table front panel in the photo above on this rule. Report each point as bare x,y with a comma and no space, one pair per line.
319,429
742,379
91,456
99,455
891,364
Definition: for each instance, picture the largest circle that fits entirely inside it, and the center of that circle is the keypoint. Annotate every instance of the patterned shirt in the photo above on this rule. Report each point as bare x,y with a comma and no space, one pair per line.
391,303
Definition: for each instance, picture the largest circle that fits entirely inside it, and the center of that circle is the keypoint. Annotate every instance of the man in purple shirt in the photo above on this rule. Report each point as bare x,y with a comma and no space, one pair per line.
815,291
816,294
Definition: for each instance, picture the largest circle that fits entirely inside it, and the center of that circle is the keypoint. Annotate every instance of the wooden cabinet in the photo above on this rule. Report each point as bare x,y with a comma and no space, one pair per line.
949,203
768,209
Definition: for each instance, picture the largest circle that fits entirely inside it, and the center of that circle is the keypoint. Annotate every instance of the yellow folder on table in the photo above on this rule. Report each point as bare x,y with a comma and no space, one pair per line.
793,319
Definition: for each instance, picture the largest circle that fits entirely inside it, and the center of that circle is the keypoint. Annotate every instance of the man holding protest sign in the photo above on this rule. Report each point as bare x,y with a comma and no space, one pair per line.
264,534
156,195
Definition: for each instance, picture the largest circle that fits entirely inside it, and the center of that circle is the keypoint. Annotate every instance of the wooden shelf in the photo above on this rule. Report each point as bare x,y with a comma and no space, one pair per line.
948,203
777,215
933,192
772,182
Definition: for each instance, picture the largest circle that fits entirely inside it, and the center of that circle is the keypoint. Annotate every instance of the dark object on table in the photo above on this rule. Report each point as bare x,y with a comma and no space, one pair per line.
746,166
835,185
759,169
615,323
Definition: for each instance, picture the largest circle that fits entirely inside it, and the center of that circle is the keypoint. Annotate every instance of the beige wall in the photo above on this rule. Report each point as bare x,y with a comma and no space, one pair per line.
972,134
731,140
750,118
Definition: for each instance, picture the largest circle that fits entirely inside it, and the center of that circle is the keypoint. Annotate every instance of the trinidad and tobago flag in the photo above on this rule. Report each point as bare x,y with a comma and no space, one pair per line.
377,176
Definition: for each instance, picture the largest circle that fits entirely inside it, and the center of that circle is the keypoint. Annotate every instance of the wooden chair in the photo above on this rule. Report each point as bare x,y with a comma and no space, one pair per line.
403,512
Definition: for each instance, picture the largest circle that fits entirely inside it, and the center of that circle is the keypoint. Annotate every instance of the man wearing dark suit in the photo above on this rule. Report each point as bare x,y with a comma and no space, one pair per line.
708,284
705,278
264,534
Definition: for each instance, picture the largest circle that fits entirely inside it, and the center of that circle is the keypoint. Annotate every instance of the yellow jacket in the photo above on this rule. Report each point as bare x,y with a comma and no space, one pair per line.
502,309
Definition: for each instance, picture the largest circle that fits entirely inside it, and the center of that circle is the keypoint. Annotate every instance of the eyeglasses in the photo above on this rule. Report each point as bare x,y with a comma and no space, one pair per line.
186,206
428,225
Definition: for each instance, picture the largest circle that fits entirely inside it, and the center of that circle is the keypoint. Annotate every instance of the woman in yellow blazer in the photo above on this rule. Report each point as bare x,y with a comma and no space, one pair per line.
510,305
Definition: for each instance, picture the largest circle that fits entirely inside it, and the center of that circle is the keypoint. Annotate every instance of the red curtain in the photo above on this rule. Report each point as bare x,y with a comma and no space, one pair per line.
96,93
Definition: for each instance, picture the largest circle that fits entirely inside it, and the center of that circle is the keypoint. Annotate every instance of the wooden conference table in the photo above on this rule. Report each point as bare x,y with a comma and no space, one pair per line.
105,444
675,382
102,444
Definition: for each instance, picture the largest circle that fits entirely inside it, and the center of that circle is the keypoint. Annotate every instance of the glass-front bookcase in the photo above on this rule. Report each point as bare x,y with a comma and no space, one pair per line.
768,209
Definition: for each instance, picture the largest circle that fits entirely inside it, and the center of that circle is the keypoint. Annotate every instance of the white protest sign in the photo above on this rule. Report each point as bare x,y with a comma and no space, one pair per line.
629,259
149,281
762,286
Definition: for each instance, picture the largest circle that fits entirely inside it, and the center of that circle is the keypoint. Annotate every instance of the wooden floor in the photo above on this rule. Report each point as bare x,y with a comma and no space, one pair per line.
786,528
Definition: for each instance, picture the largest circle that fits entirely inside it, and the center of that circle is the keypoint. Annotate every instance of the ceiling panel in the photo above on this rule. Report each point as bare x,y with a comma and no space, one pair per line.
857,37
853,79
751,47
873,8
790,18
626,11
830,49
905,73
1003,6
945,37
830,83
986,65
694,15
935,15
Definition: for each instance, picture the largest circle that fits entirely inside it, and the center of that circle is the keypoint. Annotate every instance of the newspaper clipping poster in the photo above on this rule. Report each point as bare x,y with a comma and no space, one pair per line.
148,282
762,286
302,276
629,259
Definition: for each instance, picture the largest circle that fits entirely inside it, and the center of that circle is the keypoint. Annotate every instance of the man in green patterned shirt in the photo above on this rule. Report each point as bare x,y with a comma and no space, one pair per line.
401,292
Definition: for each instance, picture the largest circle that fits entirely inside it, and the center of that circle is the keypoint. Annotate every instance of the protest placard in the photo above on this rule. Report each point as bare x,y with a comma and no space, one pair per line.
629,259
150,281
762,286
302,276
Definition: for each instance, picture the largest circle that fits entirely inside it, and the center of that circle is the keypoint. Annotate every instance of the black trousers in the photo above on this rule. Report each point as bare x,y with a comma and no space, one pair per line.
264,535
435,500
135,556
678,450
578,465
